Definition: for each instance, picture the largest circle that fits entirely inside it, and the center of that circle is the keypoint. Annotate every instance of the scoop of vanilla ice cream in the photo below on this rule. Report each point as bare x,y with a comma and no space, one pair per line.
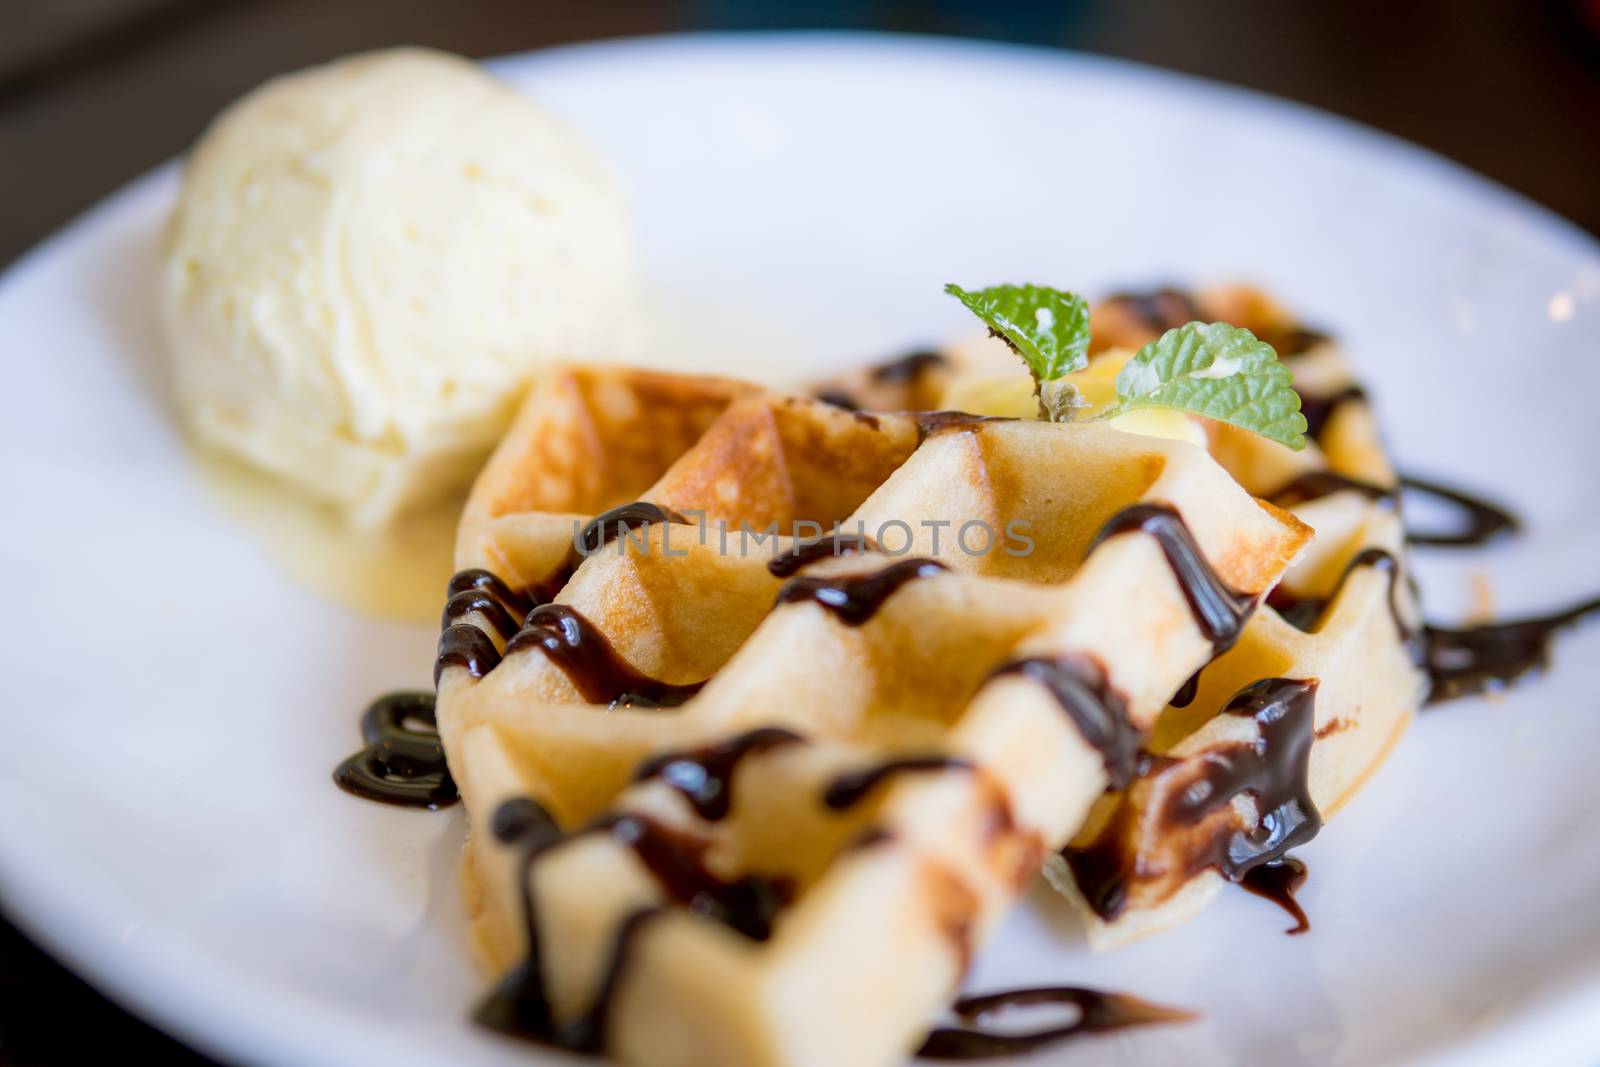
367,262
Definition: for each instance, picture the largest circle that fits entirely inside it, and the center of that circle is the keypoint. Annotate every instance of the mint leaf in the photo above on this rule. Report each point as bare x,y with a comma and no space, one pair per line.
1215,370
1048,328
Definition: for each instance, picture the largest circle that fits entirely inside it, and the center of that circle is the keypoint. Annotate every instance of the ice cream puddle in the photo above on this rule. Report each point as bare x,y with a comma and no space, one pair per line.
1097,1013
395,572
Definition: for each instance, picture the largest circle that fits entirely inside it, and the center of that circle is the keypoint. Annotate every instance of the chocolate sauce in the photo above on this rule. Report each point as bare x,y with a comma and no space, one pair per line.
1159,310
468,601
1187,691
1079,684
589,539
850,789
1219,611
838,398
1278,880
1475,659
595,669
1459,662
464,645
1298,339
403,762
705,776
1483,521
1273,769
1314,485
806,553
481,581
908,368
1306,612
1318,410
519,1005
855,598
610,525
1097,1013
930,423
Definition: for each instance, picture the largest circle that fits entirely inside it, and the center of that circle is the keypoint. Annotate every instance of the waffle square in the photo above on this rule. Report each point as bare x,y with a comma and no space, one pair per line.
861,758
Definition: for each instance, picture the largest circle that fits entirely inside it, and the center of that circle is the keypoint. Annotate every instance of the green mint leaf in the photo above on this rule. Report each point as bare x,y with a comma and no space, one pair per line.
1215,370
1048,328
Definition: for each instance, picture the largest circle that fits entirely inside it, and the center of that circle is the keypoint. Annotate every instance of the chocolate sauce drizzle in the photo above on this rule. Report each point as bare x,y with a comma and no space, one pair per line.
403,763
1314,485
908,368
855,598
1458,662
930,423
1162,309
1219,611
519,1004
464,645
1273,769
705,776
806,553
1188,690
1278,880
848,790
610,525
1079,684
838,398
1306,612
483,583
596,670
1483,521
1097,1013
1318,410
1475,659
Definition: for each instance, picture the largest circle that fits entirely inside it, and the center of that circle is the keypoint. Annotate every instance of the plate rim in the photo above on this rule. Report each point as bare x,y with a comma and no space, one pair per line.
165,982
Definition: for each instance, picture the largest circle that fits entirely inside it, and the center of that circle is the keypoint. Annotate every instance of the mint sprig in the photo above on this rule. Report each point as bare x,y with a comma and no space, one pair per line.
1048,328
1219,371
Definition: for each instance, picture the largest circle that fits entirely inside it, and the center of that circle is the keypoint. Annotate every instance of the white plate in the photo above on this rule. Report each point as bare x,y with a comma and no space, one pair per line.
175,704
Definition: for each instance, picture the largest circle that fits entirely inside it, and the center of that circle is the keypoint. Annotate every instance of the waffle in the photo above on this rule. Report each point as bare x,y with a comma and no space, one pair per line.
723,815
1279,732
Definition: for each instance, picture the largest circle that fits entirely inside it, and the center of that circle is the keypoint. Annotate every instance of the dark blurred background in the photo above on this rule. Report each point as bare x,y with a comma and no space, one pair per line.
93,92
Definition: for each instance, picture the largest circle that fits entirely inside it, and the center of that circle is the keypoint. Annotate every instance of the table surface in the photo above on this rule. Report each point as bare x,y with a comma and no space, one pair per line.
94,92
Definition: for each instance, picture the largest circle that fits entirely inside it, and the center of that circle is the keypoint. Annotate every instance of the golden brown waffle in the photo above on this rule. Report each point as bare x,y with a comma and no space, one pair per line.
885,744
1153,855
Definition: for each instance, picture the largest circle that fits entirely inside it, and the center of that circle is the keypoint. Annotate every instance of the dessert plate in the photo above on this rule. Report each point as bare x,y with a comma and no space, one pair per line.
176,703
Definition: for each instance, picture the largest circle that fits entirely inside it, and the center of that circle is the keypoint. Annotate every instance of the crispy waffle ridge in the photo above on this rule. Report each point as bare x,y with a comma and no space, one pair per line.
1280,731
863,759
